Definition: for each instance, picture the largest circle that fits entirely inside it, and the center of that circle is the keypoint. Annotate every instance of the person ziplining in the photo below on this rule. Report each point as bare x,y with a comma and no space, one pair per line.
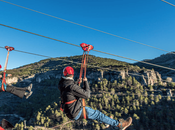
4,87
72,96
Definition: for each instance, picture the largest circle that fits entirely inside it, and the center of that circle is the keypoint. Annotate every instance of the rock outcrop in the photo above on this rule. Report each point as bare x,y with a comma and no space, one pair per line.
168,79
169,93
151,77
148,77
167,60
10,80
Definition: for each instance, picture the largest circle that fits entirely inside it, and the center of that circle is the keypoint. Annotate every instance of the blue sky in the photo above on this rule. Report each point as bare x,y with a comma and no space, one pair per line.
147,21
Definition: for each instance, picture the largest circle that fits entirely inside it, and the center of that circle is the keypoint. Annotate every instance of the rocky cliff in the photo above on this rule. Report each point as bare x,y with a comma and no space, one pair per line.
167,60
147,77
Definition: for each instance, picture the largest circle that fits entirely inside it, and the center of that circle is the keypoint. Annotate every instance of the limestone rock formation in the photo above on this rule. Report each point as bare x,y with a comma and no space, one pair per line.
10,80
149,77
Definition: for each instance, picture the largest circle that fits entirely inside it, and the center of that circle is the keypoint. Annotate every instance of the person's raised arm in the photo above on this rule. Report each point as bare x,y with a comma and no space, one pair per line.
82,92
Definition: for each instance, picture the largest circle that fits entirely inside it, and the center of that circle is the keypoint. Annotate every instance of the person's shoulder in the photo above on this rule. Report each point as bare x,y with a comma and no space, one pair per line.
74,87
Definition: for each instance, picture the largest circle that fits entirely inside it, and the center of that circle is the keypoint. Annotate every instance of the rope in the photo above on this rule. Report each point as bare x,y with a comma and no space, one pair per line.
168,3
86,26
83,67
92,50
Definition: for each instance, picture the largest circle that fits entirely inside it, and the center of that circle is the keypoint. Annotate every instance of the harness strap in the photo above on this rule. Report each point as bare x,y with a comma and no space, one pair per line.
61,108
70,102
84,110
83,100
83,67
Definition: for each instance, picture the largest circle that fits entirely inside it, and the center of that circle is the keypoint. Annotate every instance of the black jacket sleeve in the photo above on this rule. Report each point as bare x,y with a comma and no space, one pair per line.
80,92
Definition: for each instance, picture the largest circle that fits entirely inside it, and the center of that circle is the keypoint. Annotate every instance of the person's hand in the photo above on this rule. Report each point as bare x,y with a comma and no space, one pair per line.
85,79
9,74
80,80
0,76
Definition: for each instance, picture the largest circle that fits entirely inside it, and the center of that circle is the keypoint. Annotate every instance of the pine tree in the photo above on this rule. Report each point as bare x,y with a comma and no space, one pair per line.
133,96
151,88
146,101
137,103
118,107
118,101
100,106
136,116
134,107
112,103
38,116
30,128
97,127
156,99
126,111
42,120
146,93
115,96
168,98
152,103
160,97
112,90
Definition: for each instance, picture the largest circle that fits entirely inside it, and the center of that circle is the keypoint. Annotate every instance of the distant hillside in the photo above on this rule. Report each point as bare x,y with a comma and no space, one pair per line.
167,60
57,64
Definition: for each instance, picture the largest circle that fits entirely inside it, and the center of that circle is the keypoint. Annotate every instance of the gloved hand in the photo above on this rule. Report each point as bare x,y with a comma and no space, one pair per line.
79,81
85,79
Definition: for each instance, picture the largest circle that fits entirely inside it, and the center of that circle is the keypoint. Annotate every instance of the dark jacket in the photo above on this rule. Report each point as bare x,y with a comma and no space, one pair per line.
71,91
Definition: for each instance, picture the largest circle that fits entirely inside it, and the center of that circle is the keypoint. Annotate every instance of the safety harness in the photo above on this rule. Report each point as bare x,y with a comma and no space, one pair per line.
86,48
70,102
5,67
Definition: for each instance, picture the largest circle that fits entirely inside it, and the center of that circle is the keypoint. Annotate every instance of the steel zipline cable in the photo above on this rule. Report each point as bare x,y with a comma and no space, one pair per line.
87,27
168,3
92,50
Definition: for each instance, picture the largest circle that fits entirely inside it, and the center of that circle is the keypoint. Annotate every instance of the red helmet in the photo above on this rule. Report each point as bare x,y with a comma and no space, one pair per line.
0,66
1,128
68,70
